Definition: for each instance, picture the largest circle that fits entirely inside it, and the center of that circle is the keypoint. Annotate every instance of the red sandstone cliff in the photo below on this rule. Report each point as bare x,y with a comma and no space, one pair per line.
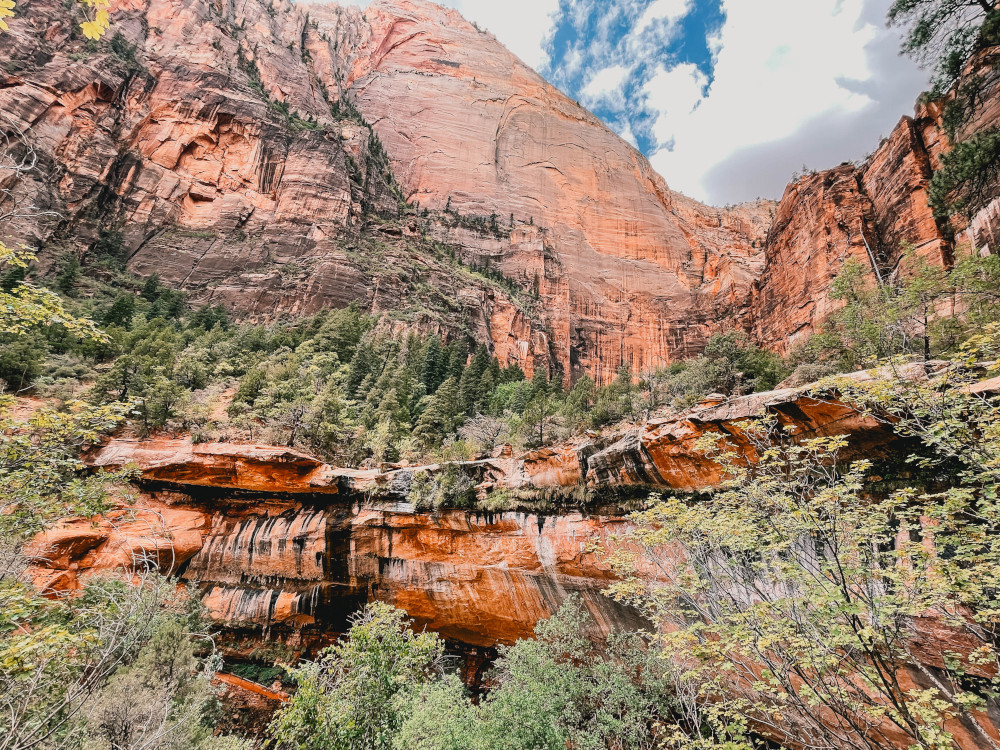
220,149
647,272
870,212
202,137
217,139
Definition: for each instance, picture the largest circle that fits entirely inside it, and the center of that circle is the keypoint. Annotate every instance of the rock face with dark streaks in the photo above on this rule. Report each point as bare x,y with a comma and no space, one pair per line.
284,547
300,569
279,540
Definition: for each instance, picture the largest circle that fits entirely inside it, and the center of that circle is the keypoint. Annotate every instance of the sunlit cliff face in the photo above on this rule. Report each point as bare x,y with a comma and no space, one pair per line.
221,194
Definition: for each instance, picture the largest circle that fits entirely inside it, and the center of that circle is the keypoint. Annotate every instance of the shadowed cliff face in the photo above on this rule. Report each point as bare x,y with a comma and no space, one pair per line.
199,144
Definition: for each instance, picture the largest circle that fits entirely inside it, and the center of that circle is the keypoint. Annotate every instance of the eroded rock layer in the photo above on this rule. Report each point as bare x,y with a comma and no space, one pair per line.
660,453
277,539
301,570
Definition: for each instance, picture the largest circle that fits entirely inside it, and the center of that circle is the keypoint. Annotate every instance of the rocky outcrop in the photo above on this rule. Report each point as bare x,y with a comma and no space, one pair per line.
163,533
278,540
283,547
873,212
255,468
300,569
661,453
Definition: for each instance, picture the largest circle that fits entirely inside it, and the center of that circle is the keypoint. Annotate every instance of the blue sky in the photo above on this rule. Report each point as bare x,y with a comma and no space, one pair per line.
727,98
606,54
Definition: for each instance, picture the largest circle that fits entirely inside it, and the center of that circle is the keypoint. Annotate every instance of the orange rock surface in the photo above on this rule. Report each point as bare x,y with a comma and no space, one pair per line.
660,453
260,468
263,530
152,532
870,213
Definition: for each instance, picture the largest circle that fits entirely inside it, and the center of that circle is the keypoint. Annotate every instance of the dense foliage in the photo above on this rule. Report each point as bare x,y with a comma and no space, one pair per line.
113,666
802,595
923,311
386,687
346,385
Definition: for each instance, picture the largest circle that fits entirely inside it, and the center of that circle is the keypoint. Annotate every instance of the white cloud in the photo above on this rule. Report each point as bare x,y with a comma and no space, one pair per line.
522,25
781,64
605,84
677,92
795,82
627,134
668,10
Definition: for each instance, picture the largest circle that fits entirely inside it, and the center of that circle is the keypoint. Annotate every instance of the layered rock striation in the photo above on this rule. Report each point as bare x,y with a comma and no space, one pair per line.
872,213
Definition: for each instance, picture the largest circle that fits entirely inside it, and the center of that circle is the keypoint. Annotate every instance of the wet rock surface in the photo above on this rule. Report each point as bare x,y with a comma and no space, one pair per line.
278,541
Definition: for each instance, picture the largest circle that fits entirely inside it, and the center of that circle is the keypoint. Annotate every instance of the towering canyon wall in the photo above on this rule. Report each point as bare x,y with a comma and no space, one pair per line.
218,145
173,145
217,141
647,271
872,212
